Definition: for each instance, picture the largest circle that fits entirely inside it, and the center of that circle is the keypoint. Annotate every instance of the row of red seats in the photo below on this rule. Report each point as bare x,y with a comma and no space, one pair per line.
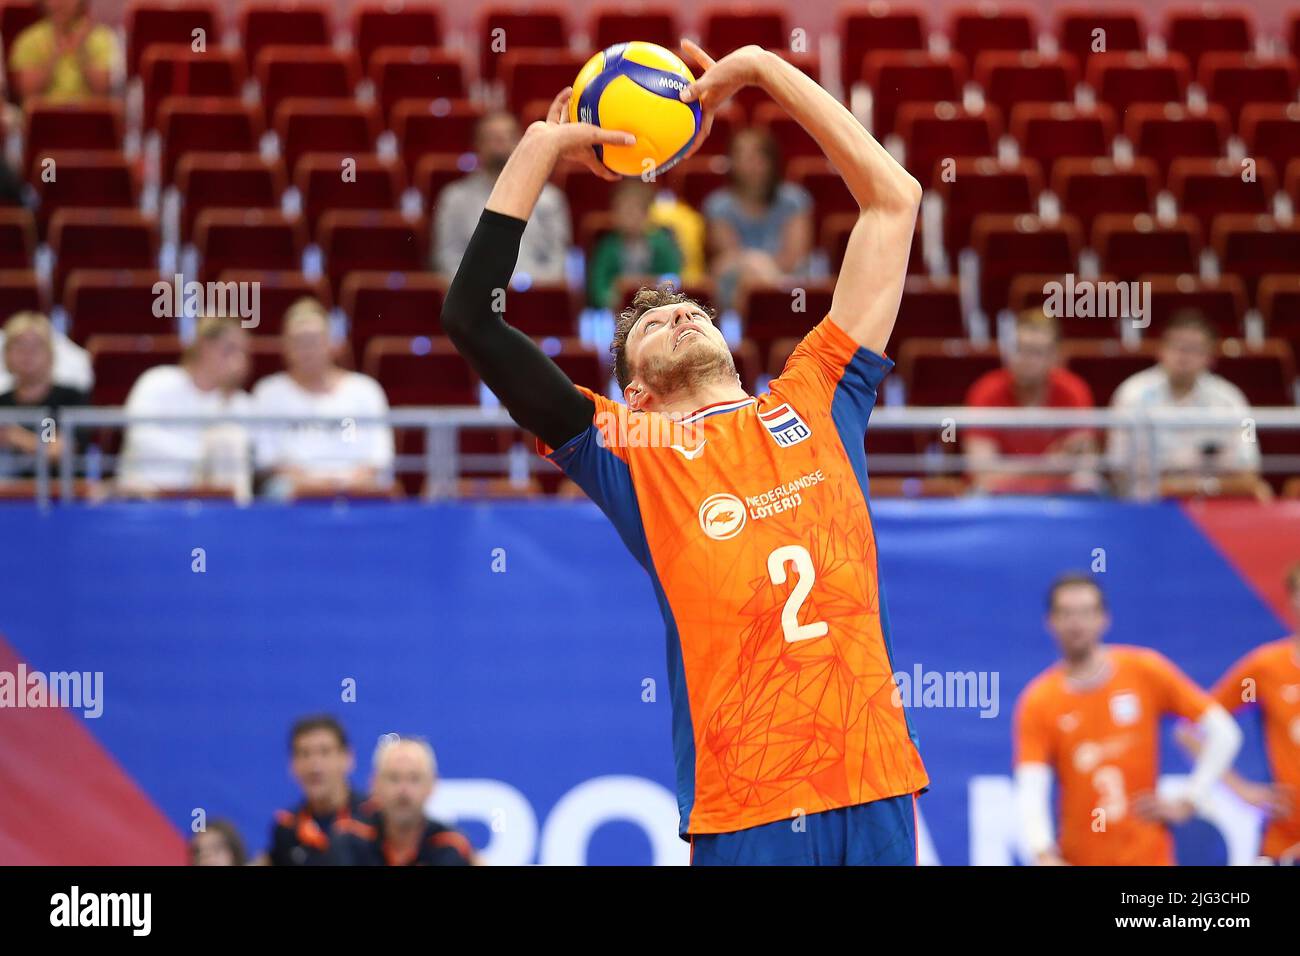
971,29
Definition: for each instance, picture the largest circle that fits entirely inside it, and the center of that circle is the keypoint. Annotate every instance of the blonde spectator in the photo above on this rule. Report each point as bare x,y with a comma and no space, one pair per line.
336,457
207,384
28,352
65,56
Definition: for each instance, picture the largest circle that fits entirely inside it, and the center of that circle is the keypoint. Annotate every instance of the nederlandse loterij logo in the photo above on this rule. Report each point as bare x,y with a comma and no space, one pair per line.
77,690
722,516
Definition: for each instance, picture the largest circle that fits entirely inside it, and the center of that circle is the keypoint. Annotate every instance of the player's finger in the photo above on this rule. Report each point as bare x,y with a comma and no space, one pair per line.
611,137
559,106
697,54
600,169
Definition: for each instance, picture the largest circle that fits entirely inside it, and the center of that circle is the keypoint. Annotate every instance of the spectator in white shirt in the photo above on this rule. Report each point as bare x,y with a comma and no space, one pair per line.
207,384
1187,459
341,456
71,364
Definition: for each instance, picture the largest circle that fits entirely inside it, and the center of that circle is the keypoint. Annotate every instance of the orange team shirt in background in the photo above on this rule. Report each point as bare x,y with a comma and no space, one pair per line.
1103,744
1273,673
751,518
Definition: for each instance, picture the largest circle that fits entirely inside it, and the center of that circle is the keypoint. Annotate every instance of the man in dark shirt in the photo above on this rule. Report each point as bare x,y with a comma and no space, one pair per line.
29,357
321,762
401,834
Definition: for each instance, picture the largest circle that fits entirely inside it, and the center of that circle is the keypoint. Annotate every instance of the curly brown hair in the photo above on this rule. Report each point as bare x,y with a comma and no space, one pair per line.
644,300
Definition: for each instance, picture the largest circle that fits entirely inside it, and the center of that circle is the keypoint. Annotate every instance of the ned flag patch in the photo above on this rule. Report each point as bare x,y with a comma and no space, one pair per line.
784,425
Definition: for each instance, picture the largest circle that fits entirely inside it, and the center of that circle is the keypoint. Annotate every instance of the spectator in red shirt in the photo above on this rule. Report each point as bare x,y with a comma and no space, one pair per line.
1032,378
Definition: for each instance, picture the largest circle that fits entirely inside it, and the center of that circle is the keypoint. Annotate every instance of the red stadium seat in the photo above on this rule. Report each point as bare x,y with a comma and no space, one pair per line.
101,239
1011,77
416,73
505,29
696,178
941,371
374,183
394,24
434,127
584,192
542,309
537,74
1234,80
792,138
113,302
204,125
433,174
749,98
1271,131
725,30
1030,291
1193,32
283,23
277,291
1048,132
168,21
878,26
318,73
174,69
1122,79
1106,365
981,186
1078,25
1221,302
1165,133
79,125
1279,306
946,132
247,239
1008,245
308,125
1129,246
353,241
17,237
118,360
579,361
1203,188
420,371
227,181
977,29
1255,246
929,308
15,17
835,231
391,303
612,24
89,179
771,313
1264,372
21,291
1087,188
909,76
824,184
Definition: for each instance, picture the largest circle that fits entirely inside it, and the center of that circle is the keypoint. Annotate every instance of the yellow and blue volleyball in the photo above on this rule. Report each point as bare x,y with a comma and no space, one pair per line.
635,87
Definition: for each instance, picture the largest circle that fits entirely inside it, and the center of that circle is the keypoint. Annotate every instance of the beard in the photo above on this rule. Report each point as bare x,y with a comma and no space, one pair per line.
703,364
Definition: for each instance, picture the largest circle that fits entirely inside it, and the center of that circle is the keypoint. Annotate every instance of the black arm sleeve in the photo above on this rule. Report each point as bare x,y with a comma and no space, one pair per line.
533,389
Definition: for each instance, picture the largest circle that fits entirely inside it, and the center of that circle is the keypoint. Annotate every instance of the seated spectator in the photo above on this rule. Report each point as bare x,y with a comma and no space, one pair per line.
634,247
218,845
29,359
760,227
207,384
66,56
689,230
71,364
342,457
321,762
1032,378
1186,460
401,834
547,237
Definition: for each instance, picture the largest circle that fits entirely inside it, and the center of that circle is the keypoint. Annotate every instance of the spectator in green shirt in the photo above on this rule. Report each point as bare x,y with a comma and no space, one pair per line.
634,247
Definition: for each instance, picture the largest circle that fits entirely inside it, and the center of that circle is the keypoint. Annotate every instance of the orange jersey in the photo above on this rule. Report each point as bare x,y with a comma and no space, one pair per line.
1270,677
1103,743
751,518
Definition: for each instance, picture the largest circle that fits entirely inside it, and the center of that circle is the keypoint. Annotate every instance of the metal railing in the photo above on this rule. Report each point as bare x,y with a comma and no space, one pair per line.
442,463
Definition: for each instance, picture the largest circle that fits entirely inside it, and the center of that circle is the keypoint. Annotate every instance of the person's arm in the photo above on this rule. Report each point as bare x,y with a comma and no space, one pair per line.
870,283
1034,807
532,388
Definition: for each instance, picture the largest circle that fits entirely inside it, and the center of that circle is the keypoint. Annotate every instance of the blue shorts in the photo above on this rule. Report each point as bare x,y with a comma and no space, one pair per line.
880,833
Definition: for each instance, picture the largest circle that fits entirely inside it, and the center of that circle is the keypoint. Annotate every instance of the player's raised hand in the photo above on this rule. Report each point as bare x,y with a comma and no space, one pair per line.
574,141
719,81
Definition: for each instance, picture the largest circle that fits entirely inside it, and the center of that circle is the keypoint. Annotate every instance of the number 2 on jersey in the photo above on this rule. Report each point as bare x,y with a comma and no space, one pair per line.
803,566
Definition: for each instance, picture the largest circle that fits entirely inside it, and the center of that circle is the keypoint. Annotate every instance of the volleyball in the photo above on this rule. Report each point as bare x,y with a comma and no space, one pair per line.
635,87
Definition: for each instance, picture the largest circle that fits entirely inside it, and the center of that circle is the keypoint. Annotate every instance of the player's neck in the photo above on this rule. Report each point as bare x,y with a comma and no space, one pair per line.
701,396
329,804
1088,669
